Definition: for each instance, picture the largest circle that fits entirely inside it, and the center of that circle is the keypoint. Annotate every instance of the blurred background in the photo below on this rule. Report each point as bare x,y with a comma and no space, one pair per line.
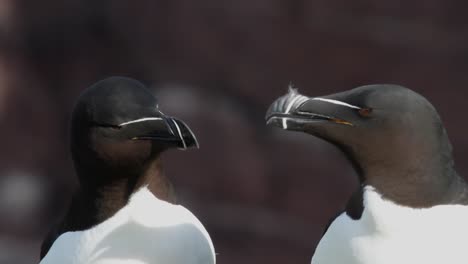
264,195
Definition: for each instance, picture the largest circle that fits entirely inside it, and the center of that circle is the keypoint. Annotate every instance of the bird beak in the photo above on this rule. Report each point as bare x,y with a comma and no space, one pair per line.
294,111
186,138
172,131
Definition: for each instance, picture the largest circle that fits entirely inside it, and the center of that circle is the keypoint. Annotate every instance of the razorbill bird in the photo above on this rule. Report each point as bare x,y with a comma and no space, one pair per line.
411,206
125,210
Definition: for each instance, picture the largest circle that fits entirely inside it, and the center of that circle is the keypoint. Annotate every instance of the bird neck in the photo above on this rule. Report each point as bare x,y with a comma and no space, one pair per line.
415,185
97,201
417,177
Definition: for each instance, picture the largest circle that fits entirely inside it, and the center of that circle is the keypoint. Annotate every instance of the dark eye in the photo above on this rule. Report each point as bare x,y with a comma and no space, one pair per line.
365,112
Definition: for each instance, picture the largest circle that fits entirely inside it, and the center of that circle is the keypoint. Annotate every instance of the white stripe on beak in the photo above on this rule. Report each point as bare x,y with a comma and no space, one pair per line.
180,134
336,102
140,120
298,97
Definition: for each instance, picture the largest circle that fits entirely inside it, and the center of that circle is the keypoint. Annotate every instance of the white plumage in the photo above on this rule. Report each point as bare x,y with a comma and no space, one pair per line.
147,230
388,233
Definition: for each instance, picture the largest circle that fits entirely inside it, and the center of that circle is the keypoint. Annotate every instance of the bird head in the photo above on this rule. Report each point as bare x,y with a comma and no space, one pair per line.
117,125
375,125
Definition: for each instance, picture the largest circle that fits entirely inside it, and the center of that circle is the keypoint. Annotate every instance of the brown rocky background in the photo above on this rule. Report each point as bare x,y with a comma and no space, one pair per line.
263,194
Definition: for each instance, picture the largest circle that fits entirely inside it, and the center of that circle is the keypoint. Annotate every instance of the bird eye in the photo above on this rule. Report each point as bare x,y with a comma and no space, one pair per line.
365,112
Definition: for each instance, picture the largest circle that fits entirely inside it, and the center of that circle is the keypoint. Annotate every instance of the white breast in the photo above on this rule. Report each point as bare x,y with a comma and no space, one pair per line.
147,230
388,233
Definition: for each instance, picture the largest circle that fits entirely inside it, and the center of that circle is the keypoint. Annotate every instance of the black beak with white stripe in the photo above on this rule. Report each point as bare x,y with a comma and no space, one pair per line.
166,130
294,111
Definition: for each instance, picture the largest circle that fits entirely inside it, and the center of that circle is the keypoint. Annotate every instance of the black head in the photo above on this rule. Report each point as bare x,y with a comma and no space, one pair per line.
116,128
379,127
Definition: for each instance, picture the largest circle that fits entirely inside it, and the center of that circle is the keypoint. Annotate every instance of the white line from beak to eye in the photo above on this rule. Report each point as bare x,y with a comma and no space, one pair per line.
180,134
141,120
331,101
